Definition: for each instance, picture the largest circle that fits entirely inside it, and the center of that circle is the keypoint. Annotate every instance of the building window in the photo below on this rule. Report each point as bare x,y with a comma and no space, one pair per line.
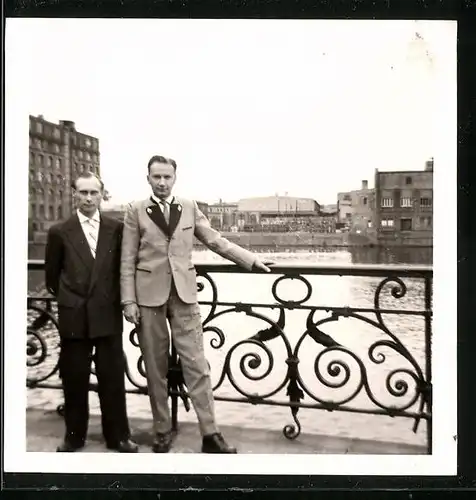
426,202
364,201
347,197
386,223
32,158
406,202
56,133
50,161
408,180
425,222
56,148
39,127
80,154
40,159
406,224
88,156
387,202
38,143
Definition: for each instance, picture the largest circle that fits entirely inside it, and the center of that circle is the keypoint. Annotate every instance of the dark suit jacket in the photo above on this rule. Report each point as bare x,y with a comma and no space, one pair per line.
87,289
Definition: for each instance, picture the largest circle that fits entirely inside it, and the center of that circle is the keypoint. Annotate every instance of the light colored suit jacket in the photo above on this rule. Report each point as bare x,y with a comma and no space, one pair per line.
154,254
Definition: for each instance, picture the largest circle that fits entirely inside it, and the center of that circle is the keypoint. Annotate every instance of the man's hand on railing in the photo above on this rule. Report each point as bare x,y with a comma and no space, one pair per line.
263,266
132,313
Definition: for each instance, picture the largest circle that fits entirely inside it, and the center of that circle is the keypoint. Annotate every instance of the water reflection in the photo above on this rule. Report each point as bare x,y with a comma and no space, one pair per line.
392,255
347,255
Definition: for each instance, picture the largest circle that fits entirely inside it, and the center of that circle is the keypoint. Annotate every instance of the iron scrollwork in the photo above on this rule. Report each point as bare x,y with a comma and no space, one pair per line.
340,375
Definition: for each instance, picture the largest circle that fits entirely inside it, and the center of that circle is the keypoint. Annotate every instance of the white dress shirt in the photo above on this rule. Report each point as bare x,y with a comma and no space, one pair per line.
90,226
169,201
159,202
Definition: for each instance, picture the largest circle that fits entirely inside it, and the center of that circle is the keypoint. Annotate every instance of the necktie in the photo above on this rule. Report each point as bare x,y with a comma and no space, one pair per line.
92,240
166,210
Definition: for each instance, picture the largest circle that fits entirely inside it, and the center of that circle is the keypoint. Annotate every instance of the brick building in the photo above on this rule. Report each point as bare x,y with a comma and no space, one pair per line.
223,216
404,206
355,209
58,153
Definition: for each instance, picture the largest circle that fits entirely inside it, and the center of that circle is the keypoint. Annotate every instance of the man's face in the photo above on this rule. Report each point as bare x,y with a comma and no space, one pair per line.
88,195
162,179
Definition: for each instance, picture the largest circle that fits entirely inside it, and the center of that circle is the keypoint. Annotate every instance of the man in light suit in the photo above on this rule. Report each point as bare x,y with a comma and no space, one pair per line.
158,283
82,266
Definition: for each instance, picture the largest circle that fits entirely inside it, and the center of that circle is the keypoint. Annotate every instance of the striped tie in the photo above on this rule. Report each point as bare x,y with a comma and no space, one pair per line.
92,241
166,210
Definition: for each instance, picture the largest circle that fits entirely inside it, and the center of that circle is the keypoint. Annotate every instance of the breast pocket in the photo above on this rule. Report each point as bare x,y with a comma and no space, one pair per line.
141,267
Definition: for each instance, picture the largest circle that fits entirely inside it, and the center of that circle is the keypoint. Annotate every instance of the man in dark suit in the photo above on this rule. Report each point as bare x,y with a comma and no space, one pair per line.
82,267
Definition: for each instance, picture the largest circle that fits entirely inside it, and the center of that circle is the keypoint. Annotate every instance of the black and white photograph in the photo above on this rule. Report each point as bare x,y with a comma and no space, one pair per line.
234,247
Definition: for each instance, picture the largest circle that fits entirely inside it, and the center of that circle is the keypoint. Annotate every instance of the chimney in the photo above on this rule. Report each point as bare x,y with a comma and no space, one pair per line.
41,117
67,124
429,165
365,184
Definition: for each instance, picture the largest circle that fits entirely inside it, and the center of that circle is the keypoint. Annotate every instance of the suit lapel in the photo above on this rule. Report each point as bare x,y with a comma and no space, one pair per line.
106,231
175,214
157,217
76,236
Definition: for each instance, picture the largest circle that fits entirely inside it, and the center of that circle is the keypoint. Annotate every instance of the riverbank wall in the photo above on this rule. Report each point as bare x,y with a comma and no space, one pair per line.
276,241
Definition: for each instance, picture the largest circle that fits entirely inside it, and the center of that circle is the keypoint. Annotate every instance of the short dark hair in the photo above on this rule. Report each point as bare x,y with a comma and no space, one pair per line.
87,175
161,159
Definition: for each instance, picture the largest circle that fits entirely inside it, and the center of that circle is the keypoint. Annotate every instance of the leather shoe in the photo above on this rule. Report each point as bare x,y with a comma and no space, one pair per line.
67,447
215,443
126,446
162,442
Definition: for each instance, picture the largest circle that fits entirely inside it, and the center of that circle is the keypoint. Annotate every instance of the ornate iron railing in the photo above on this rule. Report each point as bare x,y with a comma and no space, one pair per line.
406,381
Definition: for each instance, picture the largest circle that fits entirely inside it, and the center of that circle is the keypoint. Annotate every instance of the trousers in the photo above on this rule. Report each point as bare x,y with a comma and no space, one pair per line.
75,364
187,335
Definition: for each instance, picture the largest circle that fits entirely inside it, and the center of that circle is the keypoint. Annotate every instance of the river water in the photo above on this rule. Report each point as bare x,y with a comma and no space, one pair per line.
357,336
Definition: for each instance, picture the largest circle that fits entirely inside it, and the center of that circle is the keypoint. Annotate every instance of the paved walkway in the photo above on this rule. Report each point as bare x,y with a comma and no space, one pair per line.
45,429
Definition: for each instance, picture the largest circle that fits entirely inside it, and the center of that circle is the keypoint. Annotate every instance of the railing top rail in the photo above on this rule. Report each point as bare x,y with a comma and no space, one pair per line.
314,268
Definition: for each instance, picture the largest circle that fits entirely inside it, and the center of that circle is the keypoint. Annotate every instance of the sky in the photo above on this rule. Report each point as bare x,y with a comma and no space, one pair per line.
246,108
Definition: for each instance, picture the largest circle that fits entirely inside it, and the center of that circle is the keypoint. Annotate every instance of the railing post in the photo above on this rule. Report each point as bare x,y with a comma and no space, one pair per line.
173,362
428,351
